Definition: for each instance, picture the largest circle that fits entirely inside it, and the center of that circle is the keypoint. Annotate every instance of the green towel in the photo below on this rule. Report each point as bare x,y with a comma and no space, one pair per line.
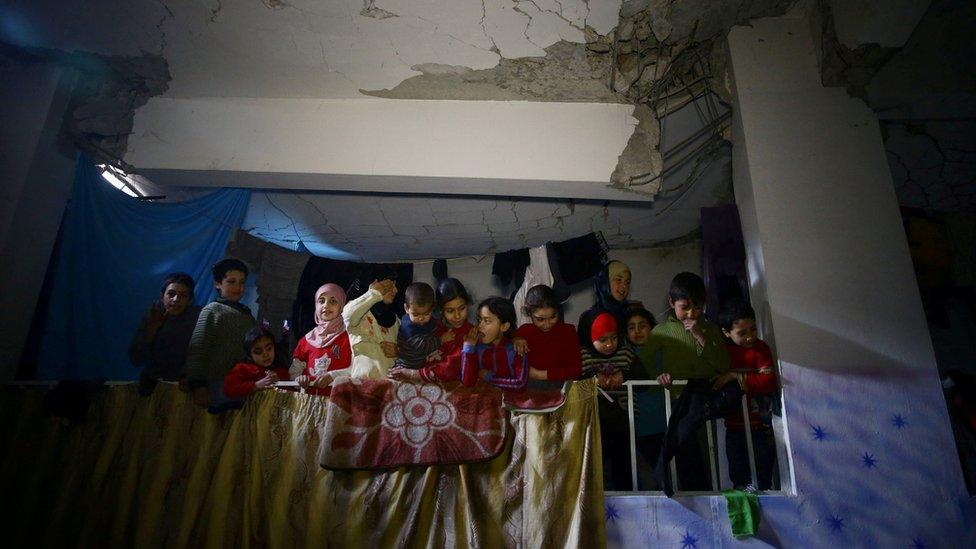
743,512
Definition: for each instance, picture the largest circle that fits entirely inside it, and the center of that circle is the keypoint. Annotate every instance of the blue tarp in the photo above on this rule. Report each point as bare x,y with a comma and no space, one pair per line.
115,252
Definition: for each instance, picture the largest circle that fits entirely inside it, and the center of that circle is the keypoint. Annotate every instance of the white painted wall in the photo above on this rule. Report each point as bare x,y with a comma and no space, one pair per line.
652,270
872,454
511,148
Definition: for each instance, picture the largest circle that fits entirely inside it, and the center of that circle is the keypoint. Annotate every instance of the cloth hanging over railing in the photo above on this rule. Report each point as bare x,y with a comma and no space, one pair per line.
160,472
114,254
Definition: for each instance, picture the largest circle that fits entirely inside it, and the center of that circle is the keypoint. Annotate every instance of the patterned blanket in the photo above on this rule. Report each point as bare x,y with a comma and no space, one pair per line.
381,424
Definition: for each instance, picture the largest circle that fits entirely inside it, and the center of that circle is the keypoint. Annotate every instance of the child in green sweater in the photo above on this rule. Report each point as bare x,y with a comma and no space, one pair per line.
216,342
686,346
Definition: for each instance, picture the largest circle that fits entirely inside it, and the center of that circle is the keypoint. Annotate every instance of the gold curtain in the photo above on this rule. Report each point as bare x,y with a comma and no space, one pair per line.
159,472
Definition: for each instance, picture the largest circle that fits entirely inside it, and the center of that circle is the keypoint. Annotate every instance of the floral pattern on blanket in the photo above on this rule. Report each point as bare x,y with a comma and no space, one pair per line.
379,424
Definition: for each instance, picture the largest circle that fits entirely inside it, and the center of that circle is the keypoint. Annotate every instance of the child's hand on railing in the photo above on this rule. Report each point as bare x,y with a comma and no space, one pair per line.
615,380
404,374
303,381
664,380
266,382
322,381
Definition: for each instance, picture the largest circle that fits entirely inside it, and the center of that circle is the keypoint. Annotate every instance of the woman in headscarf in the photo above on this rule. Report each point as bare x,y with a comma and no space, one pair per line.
325,348
611,287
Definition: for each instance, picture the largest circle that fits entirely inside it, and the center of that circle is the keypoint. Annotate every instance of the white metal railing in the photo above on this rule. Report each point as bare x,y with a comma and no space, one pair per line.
710,434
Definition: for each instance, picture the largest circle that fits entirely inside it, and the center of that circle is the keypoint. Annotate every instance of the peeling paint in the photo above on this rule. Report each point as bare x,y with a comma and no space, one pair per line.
842,66
569,72
640,164
102,109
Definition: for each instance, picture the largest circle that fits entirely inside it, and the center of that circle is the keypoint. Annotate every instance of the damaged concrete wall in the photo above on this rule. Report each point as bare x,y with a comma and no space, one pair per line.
656,53
659,55
920,80
933,163
105,97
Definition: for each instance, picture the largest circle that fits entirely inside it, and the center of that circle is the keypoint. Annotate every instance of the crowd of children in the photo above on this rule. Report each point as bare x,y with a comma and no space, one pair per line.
617,340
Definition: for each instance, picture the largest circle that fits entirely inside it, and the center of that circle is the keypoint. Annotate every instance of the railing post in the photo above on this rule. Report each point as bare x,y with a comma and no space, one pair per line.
633,437
749,446
672,467
710,434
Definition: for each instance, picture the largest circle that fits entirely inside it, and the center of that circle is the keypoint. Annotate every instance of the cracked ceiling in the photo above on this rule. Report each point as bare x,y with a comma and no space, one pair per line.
654,54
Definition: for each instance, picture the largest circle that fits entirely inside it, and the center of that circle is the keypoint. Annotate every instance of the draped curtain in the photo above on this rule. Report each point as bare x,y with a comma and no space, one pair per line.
158,472
114,253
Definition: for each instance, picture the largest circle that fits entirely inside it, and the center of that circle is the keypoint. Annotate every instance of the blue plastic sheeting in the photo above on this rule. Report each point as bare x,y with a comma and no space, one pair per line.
115,252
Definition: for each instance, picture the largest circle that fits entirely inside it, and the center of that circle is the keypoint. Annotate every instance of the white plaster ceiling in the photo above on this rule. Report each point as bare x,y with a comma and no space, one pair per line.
387,227
304,48
335,49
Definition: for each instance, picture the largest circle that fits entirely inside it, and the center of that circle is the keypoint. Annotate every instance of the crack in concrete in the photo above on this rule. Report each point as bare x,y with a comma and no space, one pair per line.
437,30
559,15
282,212
215,11
484,28
386,220
935,191
328,67
528,22
370,10
325,220
159,26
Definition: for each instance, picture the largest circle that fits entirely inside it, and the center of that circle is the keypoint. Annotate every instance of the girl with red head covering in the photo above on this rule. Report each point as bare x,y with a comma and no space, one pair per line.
609,359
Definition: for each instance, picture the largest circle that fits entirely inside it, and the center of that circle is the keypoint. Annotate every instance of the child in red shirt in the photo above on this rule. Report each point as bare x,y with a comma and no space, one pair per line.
325,349
258,372
752,367
549,344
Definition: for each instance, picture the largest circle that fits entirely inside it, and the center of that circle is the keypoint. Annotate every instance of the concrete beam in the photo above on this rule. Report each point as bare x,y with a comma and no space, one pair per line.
492,148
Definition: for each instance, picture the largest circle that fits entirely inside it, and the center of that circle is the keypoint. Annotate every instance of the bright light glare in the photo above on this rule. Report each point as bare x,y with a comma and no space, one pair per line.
117,182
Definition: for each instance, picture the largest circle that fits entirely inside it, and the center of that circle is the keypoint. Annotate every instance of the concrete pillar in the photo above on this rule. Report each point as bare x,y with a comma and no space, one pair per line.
37,177
832,280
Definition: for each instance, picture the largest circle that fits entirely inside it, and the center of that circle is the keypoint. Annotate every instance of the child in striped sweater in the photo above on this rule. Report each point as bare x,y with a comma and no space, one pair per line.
612,363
